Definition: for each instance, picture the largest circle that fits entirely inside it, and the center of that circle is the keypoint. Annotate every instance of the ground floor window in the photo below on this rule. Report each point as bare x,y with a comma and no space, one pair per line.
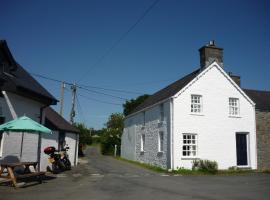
189,145
160,141
142,142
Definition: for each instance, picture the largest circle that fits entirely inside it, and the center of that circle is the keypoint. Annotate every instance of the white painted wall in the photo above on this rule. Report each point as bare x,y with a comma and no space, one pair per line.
216,130
46,141
71,143
12,141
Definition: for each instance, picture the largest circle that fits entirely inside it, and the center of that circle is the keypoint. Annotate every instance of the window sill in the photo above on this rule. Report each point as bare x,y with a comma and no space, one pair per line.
197,114
189,158
234,116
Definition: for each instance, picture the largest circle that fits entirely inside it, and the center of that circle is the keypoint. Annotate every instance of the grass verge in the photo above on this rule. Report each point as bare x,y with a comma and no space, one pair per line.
183,171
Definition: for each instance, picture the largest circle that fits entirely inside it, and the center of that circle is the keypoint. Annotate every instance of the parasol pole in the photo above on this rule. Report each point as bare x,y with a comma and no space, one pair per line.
21,146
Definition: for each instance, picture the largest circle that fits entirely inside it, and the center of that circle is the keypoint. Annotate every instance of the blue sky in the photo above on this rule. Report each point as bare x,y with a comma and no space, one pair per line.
65,40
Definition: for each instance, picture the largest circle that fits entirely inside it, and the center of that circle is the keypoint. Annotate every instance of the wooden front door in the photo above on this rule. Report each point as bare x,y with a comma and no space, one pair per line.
241,149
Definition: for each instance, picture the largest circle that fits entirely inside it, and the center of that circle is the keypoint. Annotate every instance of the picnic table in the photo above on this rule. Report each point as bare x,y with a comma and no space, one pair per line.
11,177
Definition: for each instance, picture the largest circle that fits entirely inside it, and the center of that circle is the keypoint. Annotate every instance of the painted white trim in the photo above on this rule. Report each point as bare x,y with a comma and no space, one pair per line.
172,133
255,139
248,149
2,144
11,108
215,64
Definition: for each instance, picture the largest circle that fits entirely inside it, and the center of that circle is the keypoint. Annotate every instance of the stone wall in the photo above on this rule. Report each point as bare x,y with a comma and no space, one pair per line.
263,139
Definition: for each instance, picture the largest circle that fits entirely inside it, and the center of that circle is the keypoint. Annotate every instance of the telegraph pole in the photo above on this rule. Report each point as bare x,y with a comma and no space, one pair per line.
72,112
62,98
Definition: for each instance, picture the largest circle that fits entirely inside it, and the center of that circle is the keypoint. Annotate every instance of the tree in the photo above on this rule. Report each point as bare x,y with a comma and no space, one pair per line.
130,105
112,134
85,137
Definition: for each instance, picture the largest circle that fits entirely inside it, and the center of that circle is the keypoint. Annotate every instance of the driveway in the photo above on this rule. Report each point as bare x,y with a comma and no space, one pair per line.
102,177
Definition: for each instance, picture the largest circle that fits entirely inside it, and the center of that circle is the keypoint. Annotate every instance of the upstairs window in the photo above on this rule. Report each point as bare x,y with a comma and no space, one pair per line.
144,118
196,103
161,107
189,148
234,106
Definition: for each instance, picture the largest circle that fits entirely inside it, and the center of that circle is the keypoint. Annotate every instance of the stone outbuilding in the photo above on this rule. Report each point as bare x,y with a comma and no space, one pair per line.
262,100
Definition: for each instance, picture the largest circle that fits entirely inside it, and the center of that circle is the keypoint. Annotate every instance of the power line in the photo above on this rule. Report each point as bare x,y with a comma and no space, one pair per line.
109,89
85,86
123,36
105,94
97,100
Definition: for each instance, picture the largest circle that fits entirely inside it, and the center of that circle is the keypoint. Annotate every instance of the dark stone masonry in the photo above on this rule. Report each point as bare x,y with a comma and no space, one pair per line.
263,139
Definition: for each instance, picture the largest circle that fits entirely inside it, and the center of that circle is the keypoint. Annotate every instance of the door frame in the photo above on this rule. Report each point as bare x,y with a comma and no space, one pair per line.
248,149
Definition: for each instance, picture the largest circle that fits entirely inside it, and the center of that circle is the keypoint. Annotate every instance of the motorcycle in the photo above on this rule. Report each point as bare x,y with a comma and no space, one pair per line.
65,158
59,160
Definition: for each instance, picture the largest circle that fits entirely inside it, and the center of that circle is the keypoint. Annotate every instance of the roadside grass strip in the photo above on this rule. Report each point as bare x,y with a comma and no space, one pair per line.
188,172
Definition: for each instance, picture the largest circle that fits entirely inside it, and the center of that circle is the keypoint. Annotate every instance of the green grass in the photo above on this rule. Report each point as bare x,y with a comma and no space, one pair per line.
143,165
183,171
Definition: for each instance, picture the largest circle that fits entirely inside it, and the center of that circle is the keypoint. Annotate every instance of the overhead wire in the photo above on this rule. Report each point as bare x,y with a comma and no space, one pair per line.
100,101
122,37
86,87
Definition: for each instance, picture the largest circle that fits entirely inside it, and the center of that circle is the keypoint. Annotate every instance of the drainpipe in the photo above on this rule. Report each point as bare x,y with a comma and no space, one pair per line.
39,135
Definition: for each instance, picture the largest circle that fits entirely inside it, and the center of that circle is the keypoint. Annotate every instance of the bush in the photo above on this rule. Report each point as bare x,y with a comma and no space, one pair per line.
205,166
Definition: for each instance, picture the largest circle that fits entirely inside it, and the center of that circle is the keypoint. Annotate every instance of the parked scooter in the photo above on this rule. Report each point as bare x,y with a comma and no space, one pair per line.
59,160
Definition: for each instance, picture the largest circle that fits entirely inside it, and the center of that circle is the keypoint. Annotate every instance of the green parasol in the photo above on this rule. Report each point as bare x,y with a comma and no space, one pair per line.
24,124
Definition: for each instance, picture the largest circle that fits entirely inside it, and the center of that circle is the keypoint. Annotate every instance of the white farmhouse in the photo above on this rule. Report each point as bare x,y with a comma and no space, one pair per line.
204,115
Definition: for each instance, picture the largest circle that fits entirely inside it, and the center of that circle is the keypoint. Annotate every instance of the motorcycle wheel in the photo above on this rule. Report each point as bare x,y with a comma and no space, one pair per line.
68,164
55,168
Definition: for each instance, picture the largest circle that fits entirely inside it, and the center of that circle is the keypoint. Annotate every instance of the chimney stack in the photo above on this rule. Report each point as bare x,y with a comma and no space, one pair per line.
210,53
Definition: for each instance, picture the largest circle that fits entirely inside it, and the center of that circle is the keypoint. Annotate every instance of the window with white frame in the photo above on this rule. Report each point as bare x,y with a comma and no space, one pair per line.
190,148
234,107
160,141
161,107
142,142
196,103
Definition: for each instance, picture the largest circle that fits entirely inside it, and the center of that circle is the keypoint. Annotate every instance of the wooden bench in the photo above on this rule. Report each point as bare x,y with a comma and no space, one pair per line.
26,172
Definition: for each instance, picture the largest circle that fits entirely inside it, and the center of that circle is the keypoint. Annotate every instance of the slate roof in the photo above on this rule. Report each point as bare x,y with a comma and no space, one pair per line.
14,78
58,122
261,99
168,91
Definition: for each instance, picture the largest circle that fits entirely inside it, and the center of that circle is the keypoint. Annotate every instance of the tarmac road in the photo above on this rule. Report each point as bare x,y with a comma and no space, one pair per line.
102,177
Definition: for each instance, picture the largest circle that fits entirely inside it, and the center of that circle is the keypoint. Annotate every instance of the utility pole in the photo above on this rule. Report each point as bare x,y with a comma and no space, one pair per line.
72,112
62,98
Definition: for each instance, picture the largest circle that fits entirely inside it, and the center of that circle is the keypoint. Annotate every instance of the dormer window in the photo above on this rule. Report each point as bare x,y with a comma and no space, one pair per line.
196,103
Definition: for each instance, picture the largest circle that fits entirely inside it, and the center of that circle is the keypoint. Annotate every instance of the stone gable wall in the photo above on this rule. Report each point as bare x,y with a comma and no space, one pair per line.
263,139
